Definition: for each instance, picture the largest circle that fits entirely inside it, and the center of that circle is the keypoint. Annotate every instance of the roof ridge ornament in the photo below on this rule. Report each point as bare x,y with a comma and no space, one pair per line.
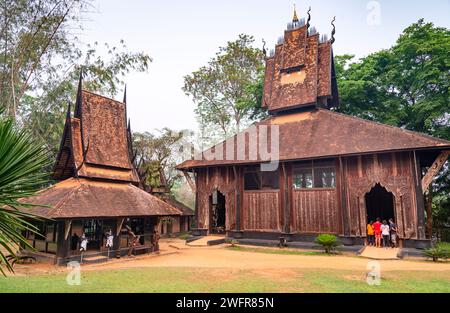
264,48
333,32
77,112
309,18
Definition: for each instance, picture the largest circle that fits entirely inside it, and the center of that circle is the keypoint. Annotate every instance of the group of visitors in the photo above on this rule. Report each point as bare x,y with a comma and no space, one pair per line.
133,242
381,234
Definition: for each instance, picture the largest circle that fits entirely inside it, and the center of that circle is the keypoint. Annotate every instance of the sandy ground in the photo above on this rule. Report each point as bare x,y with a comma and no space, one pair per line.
174,253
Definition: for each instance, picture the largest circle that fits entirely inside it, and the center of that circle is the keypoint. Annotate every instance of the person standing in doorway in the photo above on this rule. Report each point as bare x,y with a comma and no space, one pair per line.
393,229
370,234
377,232
385,233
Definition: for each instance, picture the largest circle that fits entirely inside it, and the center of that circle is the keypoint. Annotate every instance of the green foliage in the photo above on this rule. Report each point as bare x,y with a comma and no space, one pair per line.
438,252
406,85
328,242
21,163
228,90
41,58
158,155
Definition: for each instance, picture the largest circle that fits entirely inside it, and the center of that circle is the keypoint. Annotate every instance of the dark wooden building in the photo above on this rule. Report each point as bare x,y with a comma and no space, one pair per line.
98,190
335,172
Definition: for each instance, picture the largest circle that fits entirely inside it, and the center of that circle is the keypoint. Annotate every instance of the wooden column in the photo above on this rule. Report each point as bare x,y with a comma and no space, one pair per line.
286,197
343,197
63,241
420,203
237,192
196,199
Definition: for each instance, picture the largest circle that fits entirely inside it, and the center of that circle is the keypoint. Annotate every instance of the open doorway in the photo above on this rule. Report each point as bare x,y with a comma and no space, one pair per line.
217,213
379,203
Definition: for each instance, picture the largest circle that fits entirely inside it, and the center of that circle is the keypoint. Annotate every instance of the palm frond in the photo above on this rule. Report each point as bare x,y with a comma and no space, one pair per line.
22,160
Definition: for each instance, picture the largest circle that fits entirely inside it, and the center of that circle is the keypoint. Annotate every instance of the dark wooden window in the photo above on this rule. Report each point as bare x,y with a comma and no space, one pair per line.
314,174
255,179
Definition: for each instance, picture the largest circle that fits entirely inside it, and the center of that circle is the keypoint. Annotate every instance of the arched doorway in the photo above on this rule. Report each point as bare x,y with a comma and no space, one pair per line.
217,213
379,204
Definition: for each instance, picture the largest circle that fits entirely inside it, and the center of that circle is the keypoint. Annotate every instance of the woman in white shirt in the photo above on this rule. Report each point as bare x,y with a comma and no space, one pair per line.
385,233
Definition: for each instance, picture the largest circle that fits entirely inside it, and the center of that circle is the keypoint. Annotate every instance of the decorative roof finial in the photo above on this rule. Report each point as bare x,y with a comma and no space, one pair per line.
295,17
125,95
264,48
309,18
333,32
77,112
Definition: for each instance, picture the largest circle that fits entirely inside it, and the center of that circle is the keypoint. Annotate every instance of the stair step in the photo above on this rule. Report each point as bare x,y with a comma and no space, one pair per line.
95,259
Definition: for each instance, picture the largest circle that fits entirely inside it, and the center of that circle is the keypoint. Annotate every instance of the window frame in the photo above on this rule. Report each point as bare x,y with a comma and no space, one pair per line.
313,166
256,170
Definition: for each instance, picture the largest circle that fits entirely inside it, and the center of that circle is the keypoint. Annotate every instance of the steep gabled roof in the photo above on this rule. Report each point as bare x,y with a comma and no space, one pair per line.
96,142
84,198
322,133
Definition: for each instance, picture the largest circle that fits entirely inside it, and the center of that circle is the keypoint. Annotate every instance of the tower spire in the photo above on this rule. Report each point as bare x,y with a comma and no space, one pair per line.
125,95
295,17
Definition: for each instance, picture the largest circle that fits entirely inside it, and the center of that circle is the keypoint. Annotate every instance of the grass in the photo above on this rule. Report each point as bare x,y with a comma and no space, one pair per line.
182,280
274,251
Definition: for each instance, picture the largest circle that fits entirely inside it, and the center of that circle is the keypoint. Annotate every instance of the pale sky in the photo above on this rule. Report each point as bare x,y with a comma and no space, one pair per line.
182,36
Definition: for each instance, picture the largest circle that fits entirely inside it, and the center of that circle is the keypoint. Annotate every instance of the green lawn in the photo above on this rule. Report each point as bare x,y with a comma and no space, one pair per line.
228,280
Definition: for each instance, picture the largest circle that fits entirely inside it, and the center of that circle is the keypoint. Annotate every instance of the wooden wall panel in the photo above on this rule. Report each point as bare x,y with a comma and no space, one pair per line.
315,211
393,172
261,211
223,180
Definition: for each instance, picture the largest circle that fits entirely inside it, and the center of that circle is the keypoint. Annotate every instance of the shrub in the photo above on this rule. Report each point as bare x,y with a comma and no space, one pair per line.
440,251
328,242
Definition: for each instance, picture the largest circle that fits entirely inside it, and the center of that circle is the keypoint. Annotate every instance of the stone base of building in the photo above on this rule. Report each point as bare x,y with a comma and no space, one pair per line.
199,232
294,239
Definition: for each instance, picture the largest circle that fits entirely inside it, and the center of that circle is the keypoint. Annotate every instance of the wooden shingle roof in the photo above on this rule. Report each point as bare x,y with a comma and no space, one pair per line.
321,133
84,198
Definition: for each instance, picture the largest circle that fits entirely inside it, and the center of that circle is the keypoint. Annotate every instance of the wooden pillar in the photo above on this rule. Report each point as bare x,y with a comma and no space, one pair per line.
343,197
196,199
286,197
420,203
63,239
237,192
117,227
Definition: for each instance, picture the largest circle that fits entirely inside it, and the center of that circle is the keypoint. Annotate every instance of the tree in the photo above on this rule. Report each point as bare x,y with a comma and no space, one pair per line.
40,61
228,90
157,156
406,86
21,161
34,34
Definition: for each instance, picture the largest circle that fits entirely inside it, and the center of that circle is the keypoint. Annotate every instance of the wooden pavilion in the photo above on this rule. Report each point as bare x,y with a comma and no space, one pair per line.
98,190
335,172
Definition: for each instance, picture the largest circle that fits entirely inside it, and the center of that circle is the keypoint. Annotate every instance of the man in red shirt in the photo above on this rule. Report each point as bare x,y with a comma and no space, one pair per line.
377,231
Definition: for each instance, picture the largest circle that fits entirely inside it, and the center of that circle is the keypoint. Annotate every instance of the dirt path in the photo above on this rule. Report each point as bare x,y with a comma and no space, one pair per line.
221,257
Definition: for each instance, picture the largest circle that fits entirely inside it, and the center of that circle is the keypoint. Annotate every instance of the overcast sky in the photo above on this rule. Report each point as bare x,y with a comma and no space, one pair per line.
182,35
